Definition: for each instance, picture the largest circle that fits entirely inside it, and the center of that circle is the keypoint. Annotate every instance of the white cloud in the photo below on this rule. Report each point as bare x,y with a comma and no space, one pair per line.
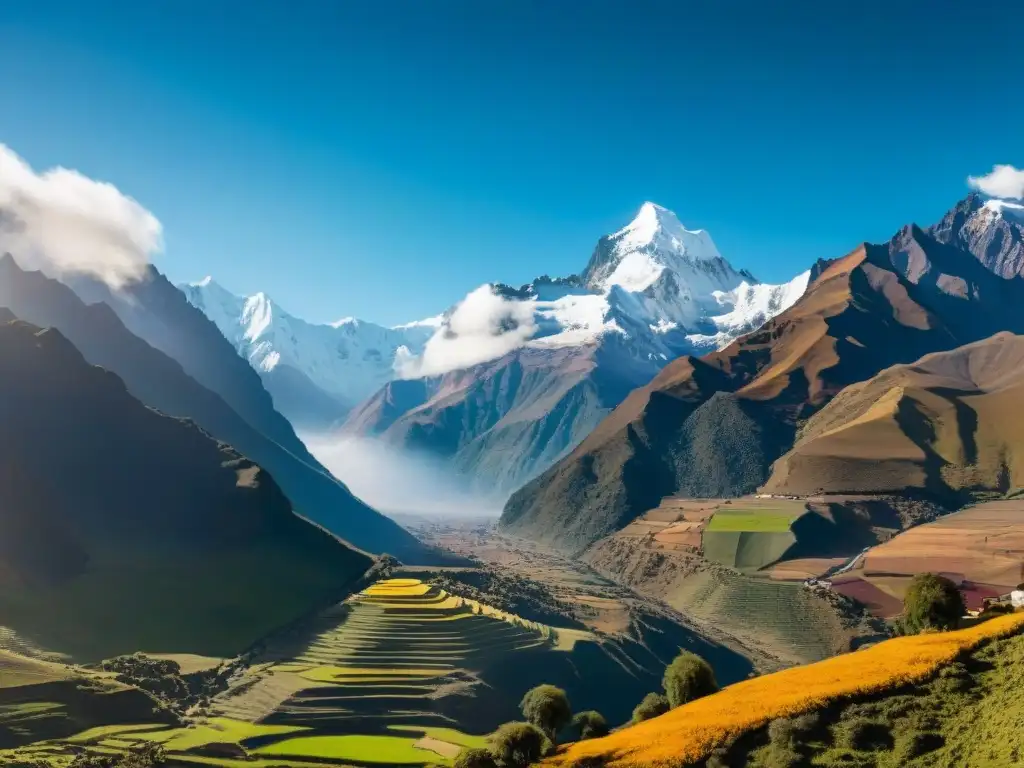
484,326
62,222
1003,181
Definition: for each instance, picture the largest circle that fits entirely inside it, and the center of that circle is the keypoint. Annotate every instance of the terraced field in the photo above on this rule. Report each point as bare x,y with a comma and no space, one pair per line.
396,675
781,617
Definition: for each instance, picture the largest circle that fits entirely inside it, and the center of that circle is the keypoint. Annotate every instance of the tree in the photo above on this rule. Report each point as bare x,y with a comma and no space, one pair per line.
932,602
687,678
518,745
475,758
653,704
548,708
590,725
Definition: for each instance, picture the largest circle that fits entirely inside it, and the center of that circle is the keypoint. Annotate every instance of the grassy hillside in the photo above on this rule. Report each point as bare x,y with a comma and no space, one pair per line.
42,700
689,735
163,541
970,714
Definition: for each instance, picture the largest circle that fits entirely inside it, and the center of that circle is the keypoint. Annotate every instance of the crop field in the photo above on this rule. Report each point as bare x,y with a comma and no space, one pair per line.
782,618
985,544
690,732
746,550
16,670
980,548
753,522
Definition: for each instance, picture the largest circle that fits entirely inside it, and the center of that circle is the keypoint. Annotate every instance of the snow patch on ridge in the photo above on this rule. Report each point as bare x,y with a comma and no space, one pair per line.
348,360
750,307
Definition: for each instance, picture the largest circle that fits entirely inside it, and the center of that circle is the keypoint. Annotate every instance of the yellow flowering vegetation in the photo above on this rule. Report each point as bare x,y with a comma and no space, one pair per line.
689,733
397,588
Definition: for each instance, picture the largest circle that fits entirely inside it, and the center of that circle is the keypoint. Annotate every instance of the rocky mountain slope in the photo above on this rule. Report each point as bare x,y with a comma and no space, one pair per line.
160,382
712,426
575,347
991,229
315,373
945,425
163,516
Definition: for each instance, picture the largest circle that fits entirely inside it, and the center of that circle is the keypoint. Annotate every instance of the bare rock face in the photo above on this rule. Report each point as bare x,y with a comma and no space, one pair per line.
992,230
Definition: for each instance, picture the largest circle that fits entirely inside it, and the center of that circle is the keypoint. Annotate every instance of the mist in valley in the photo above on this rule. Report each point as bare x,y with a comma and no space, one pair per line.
399,482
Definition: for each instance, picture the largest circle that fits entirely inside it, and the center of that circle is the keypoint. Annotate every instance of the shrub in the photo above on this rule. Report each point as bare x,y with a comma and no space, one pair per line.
867,736
147,756
688,678
548,708
653,704
590,725
475,758
518,745
916,744
932,602
782,757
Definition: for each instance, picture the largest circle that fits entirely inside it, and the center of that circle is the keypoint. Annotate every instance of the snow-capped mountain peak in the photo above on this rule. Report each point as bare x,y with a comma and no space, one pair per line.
637,256
659,228
341,362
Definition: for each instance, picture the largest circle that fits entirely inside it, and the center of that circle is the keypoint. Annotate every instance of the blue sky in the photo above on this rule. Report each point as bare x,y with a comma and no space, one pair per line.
381,159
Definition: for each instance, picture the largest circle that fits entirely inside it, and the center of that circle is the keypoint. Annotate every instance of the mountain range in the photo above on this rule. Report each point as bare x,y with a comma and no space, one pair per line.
508,381
714,425
177,361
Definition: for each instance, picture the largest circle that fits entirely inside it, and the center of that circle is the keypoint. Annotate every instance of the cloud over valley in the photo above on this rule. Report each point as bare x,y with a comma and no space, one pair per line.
63,222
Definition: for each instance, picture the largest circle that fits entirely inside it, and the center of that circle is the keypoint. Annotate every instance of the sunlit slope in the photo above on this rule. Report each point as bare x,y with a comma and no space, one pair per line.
946,424
689,733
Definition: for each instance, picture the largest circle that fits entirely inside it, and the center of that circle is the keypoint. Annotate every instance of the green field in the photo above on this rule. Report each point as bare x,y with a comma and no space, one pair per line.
390,750
752,521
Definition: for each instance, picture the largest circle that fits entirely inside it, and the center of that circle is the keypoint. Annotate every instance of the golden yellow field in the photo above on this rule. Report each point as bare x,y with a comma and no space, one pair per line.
690,732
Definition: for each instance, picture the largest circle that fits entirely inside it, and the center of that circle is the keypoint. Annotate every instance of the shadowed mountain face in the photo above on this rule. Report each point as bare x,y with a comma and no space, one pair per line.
712,426
157,312
158,381
947,425
122,529
500,423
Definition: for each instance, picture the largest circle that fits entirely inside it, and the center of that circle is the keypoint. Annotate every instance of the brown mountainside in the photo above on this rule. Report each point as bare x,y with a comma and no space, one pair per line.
948,424
713,426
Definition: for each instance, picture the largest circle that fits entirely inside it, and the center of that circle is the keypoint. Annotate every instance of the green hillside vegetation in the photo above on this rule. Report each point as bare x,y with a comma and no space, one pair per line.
968,715
64,705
